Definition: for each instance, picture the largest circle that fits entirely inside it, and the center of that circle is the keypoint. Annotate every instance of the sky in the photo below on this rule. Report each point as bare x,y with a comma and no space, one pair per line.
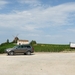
45,21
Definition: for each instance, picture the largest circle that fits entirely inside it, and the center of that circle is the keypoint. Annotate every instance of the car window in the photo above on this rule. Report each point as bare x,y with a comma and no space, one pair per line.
19,46
28,47
24,46
15,47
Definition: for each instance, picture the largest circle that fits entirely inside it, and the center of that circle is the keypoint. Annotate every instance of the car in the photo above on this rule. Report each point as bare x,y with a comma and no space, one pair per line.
26,49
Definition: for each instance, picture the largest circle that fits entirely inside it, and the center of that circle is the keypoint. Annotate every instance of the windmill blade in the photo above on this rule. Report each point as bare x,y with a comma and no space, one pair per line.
17,35
13,36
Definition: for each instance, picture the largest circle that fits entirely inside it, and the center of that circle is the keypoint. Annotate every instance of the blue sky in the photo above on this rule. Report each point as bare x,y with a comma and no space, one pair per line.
46,21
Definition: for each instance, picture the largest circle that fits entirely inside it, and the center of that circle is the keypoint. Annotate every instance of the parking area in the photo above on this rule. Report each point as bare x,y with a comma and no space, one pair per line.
38,64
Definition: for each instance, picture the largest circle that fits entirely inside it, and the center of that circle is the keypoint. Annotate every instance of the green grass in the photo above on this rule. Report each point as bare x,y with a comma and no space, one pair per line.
40,47
51,48
4,46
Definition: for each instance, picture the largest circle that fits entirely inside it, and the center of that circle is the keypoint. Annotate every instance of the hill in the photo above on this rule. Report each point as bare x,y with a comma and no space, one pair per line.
4,46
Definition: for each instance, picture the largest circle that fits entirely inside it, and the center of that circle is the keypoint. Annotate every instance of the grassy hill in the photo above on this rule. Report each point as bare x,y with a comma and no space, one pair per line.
4,46
40,47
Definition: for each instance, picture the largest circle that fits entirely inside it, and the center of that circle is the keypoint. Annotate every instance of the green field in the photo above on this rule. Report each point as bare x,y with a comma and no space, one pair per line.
51,48
40,47
4,46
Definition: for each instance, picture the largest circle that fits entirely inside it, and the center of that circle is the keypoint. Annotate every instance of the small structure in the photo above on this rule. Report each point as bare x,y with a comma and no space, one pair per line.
15,40
21,42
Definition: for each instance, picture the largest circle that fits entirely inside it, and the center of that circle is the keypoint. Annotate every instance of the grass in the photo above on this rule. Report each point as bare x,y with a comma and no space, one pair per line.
4,46
51,48
40,47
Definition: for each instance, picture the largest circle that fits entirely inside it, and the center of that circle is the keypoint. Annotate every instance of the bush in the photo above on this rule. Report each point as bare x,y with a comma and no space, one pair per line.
33,42
4,46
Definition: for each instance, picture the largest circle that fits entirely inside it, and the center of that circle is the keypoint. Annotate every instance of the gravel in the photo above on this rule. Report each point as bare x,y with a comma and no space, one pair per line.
38,64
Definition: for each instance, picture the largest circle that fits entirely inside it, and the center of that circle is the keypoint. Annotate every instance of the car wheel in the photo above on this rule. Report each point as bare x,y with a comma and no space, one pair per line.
28,53
24,53
8,54
11,53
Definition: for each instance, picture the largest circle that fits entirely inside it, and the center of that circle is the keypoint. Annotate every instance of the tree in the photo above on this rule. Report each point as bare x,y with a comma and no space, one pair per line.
33,42
7,41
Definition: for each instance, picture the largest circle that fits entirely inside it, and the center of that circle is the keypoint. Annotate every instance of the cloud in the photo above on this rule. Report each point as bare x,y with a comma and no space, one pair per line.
59,15
30,2
39,17
3,3
72,30
36,20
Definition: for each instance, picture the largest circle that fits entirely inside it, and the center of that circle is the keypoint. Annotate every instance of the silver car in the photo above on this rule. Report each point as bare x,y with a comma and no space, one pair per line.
26,49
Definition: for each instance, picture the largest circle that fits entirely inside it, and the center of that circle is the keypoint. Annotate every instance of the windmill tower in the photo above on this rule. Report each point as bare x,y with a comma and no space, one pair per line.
15,38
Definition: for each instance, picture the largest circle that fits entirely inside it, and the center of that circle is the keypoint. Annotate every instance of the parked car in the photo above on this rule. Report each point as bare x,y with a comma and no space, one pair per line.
26,49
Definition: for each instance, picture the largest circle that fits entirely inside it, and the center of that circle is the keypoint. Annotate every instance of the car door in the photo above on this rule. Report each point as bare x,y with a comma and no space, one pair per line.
18,49
24,48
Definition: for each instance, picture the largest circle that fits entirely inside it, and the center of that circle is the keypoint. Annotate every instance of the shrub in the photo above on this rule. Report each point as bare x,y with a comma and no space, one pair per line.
4,46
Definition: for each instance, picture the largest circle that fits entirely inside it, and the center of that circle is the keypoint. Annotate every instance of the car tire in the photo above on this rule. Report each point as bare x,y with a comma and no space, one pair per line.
24,53
11,53
28,53
8,54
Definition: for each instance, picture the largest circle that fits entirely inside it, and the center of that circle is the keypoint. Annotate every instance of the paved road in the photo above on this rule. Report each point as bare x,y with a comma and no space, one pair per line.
38,64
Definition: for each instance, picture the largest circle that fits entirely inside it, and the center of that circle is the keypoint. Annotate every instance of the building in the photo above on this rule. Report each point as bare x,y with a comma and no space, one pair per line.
21,42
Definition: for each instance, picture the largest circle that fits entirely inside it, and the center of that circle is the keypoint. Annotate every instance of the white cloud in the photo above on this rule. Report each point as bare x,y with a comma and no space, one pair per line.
3,3
59,15
33,21
72,30
39,17
30,2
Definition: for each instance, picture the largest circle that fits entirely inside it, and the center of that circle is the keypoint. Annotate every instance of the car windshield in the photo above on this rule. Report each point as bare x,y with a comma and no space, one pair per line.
15,47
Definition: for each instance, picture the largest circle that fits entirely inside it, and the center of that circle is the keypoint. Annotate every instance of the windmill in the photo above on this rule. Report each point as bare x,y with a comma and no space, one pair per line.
15,38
